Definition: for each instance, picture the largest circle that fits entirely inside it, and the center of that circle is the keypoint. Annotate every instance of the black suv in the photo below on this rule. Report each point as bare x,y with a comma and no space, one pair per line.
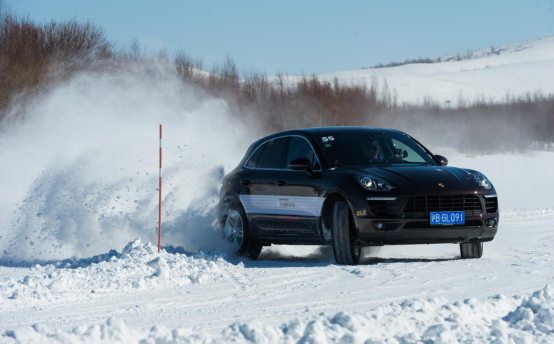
351,187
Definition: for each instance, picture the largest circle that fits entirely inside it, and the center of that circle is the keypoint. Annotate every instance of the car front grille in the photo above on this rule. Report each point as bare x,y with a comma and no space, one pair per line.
491,204
423,205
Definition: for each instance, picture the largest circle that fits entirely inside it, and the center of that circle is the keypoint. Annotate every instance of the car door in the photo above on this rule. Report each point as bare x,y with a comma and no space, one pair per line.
257,190
298,195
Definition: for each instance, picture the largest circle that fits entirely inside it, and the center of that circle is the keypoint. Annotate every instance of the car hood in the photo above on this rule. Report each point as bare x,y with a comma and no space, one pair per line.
440,179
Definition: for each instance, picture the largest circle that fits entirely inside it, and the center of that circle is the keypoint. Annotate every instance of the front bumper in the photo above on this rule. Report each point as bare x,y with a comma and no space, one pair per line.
411,227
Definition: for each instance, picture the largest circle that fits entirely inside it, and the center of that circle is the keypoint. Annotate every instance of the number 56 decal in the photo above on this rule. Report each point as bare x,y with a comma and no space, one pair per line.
327,138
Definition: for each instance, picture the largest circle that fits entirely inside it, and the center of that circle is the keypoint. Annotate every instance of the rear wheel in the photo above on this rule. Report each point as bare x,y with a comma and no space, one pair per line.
346,247
237,232
470,250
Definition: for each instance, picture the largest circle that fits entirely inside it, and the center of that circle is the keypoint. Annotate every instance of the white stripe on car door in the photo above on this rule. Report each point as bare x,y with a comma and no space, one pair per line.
282,205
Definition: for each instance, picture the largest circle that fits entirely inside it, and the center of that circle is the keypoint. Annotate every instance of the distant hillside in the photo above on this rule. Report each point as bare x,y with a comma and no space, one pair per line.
516,68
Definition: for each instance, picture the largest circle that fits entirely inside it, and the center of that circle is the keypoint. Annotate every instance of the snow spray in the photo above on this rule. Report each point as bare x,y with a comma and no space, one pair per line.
86,177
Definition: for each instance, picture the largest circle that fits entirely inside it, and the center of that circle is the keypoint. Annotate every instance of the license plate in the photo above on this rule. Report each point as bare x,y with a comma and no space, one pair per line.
446,218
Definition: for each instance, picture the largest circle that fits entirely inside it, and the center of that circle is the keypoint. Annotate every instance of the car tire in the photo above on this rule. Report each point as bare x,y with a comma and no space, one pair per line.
346,249
236,223
471,250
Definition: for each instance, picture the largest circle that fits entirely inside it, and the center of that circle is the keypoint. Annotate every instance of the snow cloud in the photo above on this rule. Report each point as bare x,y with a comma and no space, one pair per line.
80,171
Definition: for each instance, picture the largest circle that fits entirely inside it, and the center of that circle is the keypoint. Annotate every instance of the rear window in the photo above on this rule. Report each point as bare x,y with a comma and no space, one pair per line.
253,161
272,154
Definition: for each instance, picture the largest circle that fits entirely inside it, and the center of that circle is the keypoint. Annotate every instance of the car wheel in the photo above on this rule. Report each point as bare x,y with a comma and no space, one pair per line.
346,248
470,250
237,232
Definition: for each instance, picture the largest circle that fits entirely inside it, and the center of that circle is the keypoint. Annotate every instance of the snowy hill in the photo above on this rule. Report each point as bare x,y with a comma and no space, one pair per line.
515,68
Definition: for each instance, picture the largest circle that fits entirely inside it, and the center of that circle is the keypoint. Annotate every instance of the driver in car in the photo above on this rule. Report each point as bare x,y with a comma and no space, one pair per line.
371,150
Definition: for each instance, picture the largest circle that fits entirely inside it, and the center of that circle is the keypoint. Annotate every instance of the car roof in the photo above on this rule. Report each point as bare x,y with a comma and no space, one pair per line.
323,130
311,133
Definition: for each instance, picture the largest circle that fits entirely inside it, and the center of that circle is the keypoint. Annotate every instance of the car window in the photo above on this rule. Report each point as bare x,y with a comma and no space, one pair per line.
300,148
253,161
272,154
368,148
410,155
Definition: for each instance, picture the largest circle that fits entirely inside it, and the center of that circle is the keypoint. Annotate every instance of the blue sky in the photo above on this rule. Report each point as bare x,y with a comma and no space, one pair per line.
306,37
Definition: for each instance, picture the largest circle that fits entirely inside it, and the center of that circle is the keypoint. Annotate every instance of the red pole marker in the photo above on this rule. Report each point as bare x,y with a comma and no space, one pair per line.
160,202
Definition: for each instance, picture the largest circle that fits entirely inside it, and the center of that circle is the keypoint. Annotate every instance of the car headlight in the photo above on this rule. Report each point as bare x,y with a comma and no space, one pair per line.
482,181
374,184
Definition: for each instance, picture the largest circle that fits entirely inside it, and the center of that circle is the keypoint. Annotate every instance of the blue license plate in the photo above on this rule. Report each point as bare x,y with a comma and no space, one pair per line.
445,218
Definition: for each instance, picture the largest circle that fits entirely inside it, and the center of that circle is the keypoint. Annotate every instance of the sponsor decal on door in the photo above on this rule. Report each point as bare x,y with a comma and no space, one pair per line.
279,205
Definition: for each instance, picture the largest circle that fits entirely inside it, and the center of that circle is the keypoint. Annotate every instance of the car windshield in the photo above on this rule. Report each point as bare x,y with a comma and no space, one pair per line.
371,148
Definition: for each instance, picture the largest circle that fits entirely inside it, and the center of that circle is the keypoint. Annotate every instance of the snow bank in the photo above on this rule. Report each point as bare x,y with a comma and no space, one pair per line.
497,320
137,267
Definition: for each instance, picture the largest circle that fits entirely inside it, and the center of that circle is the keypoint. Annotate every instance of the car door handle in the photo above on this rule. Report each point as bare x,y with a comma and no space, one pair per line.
245,182
280,183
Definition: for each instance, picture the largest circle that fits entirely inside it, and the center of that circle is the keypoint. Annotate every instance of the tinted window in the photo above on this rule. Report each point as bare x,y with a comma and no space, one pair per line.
253,161
300,148
272,154
368,148
410,155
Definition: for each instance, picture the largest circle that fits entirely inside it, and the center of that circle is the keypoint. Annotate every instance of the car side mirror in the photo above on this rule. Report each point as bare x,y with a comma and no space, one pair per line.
400,153
442,160
302,164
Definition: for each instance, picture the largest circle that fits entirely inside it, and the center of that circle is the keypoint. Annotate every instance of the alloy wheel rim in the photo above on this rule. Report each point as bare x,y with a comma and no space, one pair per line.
234,231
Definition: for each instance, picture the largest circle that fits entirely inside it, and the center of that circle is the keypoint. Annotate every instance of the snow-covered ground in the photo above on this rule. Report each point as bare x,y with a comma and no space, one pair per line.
299,295
513,69
422,292
527,319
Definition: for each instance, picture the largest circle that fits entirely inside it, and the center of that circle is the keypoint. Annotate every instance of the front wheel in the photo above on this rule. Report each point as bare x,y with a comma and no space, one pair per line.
346,248
237,232
470,250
